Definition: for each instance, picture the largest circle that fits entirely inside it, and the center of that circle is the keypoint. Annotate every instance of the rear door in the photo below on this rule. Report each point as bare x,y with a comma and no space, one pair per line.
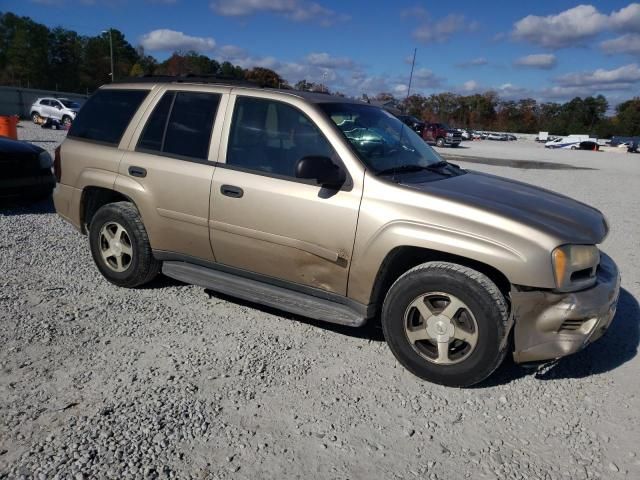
56,109
169,168
267,221
45,108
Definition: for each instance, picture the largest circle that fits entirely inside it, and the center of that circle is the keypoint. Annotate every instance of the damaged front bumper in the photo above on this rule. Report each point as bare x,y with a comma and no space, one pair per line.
550,325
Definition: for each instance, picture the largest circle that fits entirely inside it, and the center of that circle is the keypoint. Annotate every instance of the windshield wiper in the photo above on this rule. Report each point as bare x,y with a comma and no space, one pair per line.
401,169
434,167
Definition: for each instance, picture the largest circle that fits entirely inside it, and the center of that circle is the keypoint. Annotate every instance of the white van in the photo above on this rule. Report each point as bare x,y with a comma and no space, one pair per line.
569,142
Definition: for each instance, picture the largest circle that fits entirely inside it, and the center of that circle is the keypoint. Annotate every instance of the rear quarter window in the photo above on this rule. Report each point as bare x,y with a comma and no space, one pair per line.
105,116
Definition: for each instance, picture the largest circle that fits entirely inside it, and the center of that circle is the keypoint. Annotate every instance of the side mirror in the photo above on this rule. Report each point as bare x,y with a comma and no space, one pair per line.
322,170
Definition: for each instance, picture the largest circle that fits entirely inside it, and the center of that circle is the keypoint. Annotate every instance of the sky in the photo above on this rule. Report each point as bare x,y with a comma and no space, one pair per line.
548,50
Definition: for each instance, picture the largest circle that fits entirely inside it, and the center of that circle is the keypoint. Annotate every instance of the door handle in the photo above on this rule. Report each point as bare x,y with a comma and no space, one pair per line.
137,171
231,191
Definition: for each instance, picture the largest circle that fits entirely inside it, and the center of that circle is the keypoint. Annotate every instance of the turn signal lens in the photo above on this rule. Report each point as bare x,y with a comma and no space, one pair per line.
559,265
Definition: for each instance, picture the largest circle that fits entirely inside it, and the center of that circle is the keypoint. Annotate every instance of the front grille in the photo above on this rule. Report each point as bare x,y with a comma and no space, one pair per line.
571,325
583,326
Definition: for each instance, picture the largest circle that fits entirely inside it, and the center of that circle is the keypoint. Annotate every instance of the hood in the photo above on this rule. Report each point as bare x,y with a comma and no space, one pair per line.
11,149
567,219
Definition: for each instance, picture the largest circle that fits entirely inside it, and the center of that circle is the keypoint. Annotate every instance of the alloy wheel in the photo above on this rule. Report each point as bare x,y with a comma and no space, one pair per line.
441,328
115,247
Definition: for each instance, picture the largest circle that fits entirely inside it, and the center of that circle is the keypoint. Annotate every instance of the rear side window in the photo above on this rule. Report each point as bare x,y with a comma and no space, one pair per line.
105,116
181,124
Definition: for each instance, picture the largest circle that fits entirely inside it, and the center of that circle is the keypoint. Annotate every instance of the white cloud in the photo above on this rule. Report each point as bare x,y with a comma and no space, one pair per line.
296,10
414,12
567,28
475,62
625,75
626,19
327,61
470,86
627,43
543,61
575,26
443,29
167,40
231,52
425,78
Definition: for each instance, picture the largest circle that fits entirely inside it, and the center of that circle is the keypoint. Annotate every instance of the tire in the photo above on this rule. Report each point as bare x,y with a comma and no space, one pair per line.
66,121
440,142
35,117
137,265
481,313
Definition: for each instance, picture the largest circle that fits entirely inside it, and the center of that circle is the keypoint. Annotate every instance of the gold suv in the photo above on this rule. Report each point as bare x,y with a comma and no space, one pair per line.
333,209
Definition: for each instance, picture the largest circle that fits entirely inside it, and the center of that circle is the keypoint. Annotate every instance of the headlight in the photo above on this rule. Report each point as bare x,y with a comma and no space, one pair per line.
45,160
574,266
449,134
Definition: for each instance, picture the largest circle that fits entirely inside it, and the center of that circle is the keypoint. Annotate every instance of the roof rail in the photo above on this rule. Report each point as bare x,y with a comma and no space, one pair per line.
189,78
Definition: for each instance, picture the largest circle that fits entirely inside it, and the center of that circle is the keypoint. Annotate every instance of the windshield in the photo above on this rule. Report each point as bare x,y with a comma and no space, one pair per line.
381,140
69,103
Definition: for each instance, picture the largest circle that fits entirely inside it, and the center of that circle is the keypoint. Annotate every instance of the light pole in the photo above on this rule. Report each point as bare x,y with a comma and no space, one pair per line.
110,53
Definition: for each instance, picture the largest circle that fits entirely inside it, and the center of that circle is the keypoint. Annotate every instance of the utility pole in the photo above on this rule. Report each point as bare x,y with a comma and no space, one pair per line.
413,64
111,53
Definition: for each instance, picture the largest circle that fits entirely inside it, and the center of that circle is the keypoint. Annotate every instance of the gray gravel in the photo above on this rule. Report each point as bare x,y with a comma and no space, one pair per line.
172,381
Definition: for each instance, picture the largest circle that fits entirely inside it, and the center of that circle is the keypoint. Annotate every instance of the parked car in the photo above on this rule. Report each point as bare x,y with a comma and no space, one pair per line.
586,145
464,134
61,109
497,136
25,170
331,208
441,135
413,122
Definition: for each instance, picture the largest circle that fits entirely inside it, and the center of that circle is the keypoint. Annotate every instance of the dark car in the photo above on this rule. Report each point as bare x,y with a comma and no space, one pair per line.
588,145
25,170
634,146
413,122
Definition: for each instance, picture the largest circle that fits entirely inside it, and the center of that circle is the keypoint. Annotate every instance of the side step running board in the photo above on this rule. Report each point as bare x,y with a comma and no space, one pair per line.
263,293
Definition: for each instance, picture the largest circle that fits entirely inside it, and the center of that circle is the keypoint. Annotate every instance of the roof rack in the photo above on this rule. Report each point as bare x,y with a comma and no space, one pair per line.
190,78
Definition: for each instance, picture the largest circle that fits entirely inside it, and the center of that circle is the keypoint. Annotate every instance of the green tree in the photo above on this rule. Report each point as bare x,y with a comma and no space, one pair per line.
628,117
265,77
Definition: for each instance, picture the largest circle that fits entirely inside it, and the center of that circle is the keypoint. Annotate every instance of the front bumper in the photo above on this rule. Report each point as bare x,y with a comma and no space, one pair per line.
550,325
27,185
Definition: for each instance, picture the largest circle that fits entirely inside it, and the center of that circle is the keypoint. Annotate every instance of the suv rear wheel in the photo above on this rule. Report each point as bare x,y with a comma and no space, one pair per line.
120,246
35,117
446,323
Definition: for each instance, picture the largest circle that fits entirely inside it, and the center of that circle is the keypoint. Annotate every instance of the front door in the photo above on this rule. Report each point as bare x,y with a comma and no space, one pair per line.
267,221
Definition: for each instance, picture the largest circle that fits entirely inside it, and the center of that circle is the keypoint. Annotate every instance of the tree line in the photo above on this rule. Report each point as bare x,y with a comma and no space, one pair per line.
487,111
33,55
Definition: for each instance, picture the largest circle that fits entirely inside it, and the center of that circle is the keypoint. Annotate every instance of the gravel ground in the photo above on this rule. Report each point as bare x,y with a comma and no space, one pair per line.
174,381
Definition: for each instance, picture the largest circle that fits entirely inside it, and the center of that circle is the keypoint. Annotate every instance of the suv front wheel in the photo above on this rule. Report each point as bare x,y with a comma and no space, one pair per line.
446,323
120,246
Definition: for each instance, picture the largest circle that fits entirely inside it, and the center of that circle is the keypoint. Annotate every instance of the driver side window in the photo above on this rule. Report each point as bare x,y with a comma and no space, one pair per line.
270,137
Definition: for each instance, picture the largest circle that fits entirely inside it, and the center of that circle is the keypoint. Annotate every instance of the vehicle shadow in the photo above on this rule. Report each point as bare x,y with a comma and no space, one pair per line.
370,331
25,206
616,347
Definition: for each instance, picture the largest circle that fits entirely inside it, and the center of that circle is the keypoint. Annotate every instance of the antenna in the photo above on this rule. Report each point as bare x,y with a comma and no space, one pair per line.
413,64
